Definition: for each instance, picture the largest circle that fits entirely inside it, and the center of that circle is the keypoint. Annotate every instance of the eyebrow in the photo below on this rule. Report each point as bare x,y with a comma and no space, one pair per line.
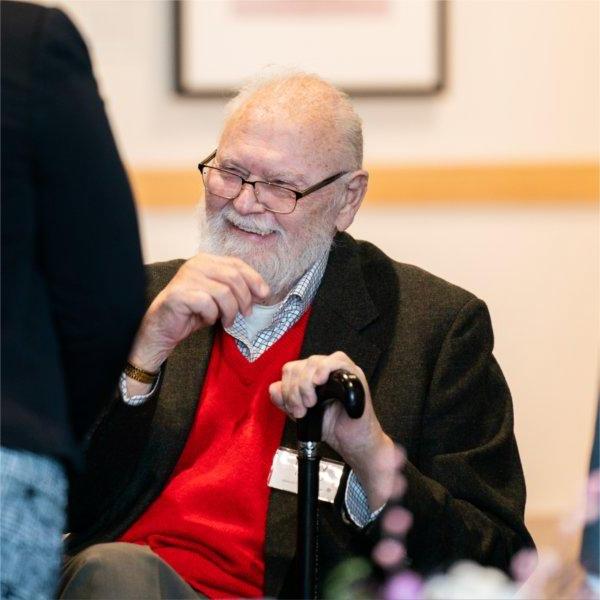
288,177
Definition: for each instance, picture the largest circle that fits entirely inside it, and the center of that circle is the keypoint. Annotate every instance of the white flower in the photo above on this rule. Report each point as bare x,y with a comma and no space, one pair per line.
469,581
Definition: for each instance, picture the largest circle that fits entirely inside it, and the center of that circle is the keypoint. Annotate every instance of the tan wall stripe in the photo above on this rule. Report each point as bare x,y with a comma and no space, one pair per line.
389,185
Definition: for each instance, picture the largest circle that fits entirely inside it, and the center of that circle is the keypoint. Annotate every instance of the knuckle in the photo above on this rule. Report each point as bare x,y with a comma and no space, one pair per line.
306,384
170,298
288,369
236,277
205,300
222,293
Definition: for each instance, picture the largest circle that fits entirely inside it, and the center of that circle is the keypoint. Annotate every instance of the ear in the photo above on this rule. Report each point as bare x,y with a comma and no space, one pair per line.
354,193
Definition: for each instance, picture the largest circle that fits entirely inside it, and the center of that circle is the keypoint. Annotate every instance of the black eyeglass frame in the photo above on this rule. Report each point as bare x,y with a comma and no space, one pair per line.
298,194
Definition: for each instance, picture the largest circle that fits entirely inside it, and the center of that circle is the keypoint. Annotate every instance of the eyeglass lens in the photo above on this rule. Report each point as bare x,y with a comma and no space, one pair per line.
228,185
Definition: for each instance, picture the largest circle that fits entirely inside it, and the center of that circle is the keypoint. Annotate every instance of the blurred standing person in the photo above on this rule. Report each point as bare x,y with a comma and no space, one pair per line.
72,281
590,545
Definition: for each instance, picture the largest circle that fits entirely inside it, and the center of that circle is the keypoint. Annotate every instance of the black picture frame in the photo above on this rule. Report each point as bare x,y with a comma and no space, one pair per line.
440,83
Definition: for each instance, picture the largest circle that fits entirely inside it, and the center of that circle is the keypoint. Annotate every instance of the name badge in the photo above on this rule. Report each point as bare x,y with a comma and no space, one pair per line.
284,474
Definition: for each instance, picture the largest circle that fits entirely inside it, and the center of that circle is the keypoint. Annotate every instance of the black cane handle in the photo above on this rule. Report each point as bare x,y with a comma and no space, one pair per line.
341,386
346,388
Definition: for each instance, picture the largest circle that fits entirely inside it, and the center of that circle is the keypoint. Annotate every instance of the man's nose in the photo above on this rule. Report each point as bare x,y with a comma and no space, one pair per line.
246,202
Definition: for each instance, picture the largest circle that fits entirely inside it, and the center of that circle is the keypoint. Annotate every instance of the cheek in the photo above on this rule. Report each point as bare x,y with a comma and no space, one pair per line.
214,203
320,215
293,224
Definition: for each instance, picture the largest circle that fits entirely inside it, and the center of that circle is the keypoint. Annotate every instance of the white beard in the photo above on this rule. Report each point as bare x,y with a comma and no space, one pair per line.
285,261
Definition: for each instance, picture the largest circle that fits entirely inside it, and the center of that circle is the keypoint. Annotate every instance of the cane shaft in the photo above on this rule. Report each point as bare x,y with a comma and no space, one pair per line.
347,388
308,493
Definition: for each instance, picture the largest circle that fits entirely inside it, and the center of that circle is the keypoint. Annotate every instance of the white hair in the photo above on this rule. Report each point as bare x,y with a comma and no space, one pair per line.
304,96
288,259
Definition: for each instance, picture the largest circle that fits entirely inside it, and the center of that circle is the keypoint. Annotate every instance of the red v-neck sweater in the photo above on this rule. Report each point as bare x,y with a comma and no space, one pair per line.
209,522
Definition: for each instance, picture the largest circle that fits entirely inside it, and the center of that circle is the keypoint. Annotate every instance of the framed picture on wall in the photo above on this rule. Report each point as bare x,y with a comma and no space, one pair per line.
366,47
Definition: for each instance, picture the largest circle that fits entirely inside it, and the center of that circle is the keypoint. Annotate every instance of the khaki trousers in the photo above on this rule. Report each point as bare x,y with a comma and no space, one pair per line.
122,571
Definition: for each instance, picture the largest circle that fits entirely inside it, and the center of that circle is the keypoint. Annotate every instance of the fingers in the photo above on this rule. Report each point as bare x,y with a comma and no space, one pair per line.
203,305
255,282
205,289
224,299
232,284
247,285
295,393
285,395
233,280
298,385
276,393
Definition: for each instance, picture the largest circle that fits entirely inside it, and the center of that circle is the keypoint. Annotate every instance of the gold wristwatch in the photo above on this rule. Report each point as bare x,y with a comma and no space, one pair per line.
139,374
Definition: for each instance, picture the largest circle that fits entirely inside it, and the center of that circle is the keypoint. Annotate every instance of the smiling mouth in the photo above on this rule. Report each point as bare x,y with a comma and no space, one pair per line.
252,230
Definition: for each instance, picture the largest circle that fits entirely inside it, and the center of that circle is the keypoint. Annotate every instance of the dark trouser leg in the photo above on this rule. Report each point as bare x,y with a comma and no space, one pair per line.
121,571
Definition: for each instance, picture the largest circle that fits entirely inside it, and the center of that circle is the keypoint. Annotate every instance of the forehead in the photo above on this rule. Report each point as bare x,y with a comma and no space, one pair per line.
272,143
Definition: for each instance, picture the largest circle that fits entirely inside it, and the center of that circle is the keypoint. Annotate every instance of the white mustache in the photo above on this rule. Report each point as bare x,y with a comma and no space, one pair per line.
249,223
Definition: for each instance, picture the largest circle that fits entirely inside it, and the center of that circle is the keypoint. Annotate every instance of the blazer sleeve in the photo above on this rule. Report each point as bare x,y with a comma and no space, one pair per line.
88,238
467,495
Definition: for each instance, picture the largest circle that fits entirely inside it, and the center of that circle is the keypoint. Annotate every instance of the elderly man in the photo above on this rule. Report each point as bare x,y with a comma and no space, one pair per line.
235,340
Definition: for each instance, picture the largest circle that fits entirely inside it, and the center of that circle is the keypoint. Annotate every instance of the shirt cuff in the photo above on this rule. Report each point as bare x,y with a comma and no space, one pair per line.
140,398
357,505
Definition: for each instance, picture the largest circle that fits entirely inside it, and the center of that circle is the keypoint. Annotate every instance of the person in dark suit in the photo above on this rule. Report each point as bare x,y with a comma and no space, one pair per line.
72,281
176,502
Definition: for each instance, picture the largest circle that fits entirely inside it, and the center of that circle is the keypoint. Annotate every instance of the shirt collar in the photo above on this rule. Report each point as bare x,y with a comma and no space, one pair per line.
297,299
306,287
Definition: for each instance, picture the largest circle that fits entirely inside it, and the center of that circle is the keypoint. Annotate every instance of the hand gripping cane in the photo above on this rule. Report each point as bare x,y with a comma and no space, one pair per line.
346,388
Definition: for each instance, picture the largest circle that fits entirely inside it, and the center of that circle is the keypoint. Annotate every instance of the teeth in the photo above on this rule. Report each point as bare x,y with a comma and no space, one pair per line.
250,230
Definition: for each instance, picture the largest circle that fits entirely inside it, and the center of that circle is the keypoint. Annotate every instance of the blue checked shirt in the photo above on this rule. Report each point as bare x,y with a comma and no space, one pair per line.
288,313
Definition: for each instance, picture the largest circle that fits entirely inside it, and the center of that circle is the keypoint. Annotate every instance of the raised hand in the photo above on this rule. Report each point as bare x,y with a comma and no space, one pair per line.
205,289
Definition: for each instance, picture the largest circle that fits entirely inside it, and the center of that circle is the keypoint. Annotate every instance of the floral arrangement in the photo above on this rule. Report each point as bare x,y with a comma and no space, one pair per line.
548,577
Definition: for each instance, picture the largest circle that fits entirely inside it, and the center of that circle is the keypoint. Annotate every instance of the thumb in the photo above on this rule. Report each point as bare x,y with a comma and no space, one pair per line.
275,391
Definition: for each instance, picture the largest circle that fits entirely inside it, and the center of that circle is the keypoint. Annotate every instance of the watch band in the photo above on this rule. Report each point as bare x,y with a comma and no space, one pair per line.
139,374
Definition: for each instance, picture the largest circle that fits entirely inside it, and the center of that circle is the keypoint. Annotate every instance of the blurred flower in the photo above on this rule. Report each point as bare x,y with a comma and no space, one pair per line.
524,564
548,576
389,553
467,580
349,580
396,521
535,571
398,487
403,586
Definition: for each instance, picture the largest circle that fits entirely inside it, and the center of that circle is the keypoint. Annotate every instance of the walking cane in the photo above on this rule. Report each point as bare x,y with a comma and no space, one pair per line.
346,388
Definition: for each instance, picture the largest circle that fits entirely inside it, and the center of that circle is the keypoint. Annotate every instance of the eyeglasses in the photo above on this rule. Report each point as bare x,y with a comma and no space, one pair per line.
275,198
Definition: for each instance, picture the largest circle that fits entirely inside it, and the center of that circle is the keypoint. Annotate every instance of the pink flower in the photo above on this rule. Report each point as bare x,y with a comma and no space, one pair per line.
523,564
389,553
396,521
404,586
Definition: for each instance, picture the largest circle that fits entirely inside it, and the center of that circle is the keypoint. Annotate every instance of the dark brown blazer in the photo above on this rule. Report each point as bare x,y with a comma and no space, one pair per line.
425,347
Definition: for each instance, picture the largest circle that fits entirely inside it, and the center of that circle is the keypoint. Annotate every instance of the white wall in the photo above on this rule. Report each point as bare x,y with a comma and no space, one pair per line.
524,85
